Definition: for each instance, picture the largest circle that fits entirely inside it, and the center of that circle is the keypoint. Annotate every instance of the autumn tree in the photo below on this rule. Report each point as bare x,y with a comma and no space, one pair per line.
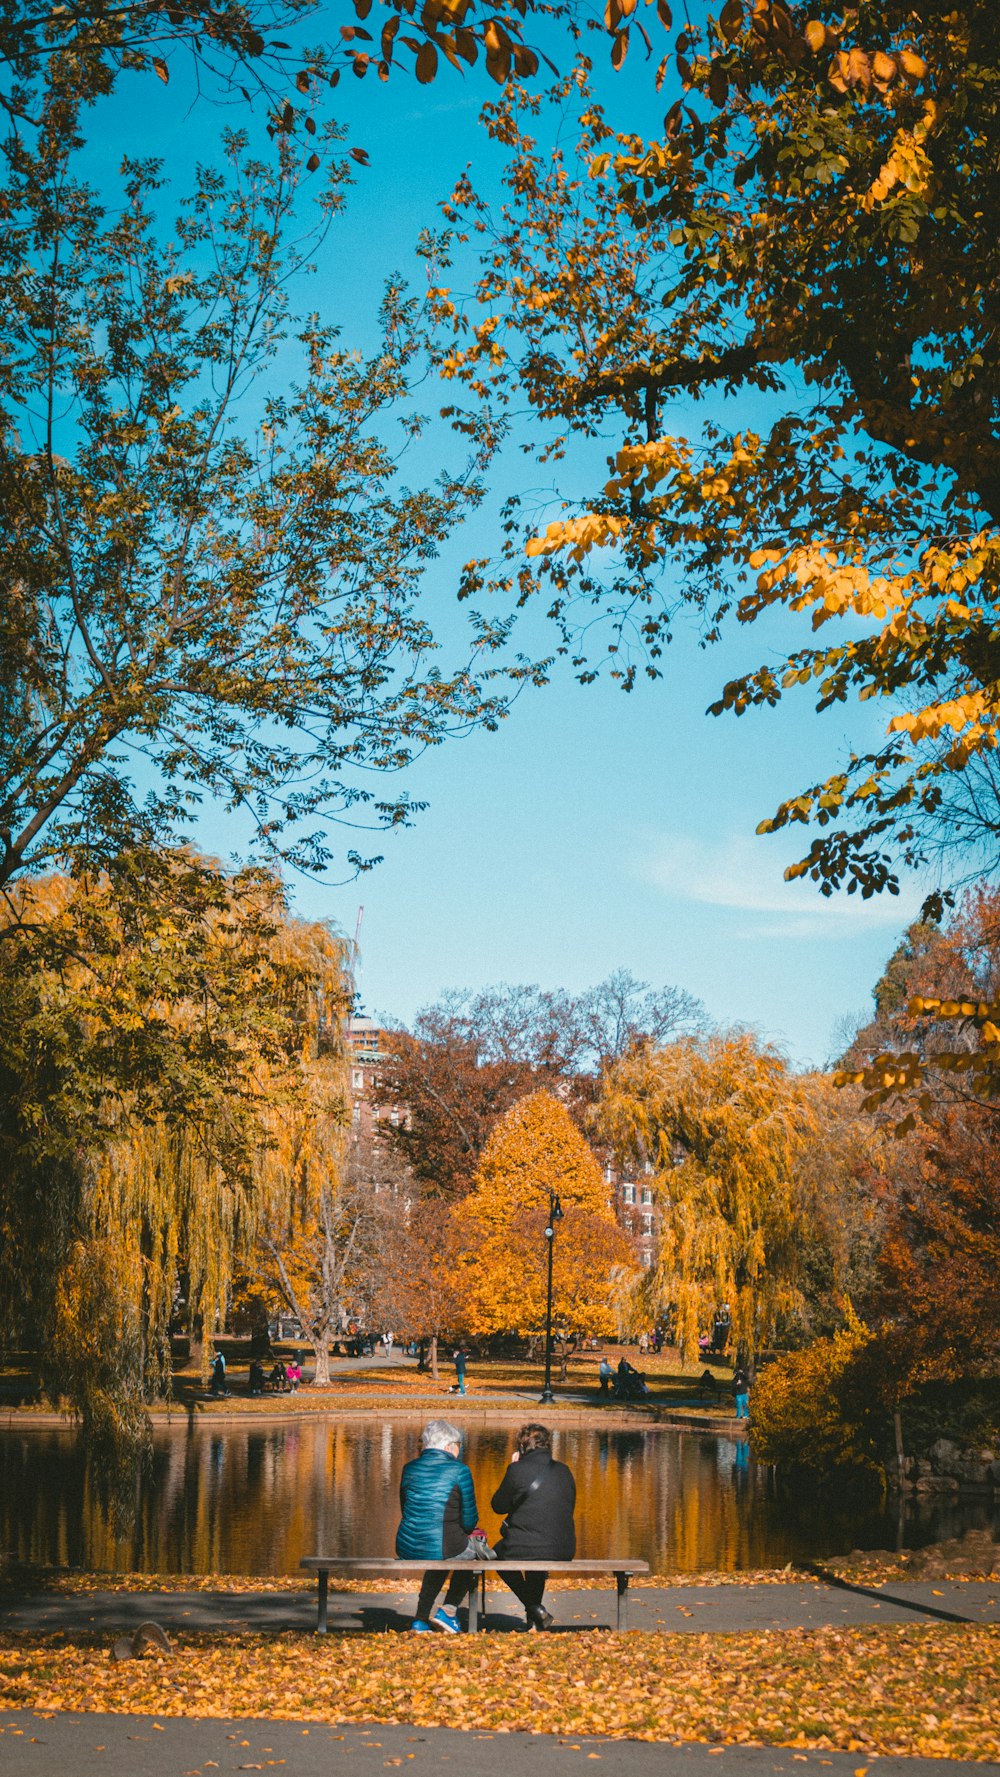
327,1252
816,224
730,1136
426,1285
471,1056
208,574
149,1028
933,1292
243,48
535,1149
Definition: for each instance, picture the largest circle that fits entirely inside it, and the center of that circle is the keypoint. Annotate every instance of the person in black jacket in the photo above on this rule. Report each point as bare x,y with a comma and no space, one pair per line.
537,1496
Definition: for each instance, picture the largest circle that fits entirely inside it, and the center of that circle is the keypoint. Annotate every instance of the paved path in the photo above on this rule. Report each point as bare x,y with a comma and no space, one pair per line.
149,1746
676,1609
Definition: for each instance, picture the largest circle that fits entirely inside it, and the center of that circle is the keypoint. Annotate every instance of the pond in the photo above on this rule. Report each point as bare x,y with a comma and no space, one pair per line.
253,1499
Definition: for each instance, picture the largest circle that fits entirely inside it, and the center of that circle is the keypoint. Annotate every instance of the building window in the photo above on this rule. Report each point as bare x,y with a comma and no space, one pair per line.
356,1114
647,1260
647,1195
647,1224
358,1079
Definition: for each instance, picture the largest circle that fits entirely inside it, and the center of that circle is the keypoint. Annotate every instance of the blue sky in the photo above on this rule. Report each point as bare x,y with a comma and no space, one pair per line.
595,830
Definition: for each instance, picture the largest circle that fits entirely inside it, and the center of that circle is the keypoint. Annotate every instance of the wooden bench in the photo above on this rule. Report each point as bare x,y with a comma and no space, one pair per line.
366,1567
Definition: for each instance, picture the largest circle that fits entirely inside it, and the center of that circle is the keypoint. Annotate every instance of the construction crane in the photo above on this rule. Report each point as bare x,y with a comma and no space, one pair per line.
355,953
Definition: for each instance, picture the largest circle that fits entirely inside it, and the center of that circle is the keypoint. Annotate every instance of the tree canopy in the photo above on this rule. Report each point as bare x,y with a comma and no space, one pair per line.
534,1149
933,1296
471,1056
809,252
733,1144
207,573
152,1035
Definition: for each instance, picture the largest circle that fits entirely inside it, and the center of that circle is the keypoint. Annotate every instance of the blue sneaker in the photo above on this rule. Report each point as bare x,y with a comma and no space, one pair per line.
445,1620
419,1628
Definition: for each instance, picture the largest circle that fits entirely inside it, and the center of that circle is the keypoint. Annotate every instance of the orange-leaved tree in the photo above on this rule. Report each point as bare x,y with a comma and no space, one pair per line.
536,1148
816,223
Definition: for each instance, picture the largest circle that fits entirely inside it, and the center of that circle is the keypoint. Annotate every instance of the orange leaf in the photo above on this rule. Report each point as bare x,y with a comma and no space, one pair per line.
427,61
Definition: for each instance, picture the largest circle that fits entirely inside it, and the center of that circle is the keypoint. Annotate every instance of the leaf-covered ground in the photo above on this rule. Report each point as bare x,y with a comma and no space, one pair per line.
908,1690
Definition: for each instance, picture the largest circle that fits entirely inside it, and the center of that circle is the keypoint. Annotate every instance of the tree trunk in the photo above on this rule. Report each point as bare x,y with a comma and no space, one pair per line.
321,1353
434,1357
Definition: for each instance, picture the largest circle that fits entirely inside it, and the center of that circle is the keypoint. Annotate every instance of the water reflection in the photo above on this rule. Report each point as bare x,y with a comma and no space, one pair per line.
255,1499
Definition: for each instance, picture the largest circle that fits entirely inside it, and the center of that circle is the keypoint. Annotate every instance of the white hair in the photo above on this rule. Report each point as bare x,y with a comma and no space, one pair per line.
439,1435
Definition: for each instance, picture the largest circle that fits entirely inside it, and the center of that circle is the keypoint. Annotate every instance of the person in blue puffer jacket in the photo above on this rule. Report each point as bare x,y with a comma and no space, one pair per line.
438,1502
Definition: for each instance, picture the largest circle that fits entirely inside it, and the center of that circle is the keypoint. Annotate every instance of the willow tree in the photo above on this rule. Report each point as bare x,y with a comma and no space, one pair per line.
148,1031
535,1149
332,1234
727,1133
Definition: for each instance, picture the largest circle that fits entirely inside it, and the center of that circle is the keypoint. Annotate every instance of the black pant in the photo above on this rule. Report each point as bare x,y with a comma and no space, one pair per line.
529,1587
459,1587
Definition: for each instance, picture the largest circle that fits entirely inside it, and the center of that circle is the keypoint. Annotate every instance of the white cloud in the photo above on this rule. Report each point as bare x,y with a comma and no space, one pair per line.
746,874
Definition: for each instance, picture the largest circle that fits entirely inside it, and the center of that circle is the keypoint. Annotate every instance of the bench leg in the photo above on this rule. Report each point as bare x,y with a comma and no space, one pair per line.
621,1583
474,1606
324,1580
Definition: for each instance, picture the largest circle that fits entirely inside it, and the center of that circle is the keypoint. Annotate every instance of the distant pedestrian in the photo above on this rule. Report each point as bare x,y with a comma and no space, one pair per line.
256,1377
741,1383
607,1374
219,1375
293,1374
459,1361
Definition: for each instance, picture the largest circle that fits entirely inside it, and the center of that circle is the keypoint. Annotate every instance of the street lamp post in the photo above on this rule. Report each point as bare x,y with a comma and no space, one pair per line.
555,1215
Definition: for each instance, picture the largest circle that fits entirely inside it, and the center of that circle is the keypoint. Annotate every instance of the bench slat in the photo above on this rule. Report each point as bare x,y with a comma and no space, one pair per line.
385,1564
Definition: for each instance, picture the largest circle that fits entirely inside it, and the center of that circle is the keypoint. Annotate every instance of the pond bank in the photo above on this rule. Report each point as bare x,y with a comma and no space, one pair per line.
495,1411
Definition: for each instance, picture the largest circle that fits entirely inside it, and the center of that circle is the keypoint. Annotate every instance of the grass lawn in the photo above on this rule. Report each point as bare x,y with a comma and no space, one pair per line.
672,1386
401,1384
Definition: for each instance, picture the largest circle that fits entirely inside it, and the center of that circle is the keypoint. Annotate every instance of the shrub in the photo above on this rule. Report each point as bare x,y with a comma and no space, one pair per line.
822,1408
